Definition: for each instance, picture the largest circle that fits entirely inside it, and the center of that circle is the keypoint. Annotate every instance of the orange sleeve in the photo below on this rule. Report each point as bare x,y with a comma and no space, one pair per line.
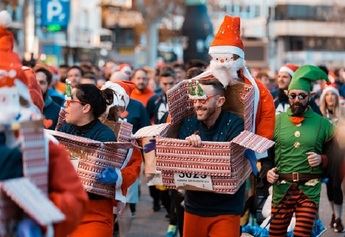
131,172
65,190
265,116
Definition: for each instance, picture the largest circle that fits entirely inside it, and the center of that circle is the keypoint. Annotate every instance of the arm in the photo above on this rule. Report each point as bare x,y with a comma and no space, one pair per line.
265,118
65,190
131,172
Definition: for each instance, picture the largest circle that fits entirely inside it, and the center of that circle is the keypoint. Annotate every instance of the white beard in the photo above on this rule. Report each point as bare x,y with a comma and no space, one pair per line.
226,72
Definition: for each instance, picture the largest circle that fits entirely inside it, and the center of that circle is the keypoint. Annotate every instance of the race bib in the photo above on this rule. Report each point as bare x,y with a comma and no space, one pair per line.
197,181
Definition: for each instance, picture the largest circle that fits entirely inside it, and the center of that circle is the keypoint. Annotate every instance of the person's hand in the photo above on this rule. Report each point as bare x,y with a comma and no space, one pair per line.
313,159
272,175
107,176
150,146
194,140
28,228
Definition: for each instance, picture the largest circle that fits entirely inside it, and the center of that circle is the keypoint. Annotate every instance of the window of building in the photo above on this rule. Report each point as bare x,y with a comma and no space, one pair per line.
314,43
309,13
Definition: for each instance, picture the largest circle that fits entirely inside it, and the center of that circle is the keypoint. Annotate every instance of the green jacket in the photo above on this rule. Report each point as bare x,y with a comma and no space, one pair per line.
292,144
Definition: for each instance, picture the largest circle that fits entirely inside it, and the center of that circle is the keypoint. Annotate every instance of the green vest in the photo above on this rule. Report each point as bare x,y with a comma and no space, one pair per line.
292,144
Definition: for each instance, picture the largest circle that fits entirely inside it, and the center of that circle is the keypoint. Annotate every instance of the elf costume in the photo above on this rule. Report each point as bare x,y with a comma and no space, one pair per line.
298,187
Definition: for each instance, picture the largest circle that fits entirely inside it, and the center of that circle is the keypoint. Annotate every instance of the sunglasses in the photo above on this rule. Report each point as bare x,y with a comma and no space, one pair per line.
203,101
300,96
69,102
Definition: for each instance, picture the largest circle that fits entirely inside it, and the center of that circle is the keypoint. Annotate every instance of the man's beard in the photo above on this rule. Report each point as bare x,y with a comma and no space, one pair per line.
298,109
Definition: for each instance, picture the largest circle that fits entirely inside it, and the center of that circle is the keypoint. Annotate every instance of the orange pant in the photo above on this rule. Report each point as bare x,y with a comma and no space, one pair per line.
217,226
98,220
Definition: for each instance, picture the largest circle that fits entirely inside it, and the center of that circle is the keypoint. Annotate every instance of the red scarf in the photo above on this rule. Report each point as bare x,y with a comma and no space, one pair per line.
296,120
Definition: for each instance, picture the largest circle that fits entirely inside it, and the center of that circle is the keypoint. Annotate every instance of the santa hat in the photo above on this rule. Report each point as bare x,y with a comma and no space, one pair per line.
126,69
228,39
329,89
289,68
119,75
10,64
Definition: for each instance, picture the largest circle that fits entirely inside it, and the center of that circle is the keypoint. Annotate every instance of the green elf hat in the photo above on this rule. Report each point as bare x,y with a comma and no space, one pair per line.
303,77
195,91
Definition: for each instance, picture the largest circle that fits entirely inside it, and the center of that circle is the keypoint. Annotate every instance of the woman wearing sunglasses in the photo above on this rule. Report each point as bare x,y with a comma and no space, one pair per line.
82,111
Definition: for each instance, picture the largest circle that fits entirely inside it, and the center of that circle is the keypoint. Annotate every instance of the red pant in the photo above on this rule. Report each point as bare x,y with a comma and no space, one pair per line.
217,226
98,220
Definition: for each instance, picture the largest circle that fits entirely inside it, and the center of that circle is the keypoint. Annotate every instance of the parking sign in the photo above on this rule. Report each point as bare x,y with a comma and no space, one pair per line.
55,13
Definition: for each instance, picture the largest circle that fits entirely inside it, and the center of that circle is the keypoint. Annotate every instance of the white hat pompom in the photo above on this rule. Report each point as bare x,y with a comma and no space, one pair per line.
5,19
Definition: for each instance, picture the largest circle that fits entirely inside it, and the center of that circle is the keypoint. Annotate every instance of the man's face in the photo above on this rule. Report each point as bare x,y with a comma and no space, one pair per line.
42,81
166,83
180,74
283,80
205,108
74,76
298,100
140,80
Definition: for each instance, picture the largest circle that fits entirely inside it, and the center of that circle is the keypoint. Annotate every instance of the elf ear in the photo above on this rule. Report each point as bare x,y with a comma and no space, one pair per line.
286,92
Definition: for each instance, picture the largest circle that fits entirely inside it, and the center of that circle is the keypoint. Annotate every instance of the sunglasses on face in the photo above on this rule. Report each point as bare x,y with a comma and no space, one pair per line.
69,102
300,96
203,101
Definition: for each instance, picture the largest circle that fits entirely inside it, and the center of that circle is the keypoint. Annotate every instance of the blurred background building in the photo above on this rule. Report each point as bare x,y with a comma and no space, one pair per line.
145,32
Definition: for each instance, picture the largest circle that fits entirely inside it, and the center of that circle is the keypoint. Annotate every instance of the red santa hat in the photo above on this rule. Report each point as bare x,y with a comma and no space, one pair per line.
289,68
228,39
128,86
10,64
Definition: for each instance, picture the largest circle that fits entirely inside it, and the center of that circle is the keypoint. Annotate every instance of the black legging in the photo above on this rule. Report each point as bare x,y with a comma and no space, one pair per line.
334,192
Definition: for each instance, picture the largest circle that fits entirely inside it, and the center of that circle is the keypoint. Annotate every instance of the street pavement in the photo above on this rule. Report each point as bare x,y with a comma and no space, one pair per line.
147,223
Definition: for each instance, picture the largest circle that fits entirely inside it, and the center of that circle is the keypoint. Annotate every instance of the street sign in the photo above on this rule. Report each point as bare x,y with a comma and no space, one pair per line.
55,14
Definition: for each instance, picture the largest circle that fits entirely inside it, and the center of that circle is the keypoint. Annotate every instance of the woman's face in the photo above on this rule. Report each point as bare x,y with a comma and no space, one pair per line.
331,99
74,109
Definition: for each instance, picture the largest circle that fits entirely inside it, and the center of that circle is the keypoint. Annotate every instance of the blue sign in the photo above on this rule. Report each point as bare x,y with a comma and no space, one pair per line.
55,13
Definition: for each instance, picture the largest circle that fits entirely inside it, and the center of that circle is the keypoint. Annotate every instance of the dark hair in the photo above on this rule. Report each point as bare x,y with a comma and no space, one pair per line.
193,72
217,86
196,63
46,72
178,65
323,68
63,66
90,94
167,72
76,67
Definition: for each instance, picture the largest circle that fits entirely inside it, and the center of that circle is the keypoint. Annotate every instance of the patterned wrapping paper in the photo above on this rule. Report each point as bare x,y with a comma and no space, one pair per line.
35,160
32,201
179,104
144,135
9,213
223,161
123,130
93,156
